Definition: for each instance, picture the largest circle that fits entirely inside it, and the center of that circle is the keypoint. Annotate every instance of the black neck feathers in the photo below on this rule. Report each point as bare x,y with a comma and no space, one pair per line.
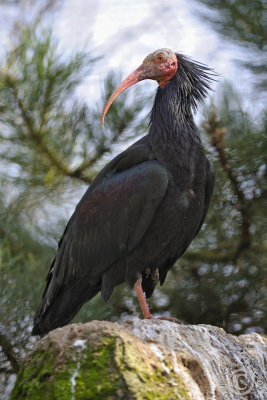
174,104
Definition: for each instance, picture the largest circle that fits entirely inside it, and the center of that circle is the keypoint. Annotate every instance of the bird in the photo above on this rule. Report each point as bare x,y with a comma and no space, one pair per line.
145,207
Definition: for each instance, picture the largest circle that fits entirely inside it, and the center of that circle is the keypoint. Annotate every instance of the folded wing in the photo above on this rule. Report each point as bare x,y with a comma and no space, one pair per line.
108,223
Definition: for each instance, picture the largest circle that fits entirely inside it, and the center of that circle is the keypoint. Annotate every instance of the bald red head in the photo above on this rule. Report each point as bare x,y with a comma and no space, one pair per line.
160,65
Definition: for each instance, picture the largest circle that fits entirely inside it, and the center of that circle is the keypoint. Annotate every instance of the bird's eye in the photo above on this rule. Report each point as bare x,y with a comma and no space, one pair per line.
160,58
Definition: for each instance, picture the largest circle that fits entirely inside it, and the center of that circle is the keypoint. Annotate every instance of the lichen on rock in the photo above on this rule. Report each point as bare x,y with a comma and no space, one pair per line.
142,359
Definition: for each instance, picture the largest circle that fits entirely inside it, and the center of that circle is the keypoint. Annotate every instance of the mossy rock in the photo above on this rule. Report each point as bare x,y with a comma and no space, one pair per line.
98,360
144,360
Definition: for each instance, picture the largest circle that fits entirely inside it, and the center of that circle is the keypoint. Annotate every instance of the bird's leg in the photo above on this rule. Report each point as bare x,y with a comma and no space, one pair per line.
142,300
141,297
155,278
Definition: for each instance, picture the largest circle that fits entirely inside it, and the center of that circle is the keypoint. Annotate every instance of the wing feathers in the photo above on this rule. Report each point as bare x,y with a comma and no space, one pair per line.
109,221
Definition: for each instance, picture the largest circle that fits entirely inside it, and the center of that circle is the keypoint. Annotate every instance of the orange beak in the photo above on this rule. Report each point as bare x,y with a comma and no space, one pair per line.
138,75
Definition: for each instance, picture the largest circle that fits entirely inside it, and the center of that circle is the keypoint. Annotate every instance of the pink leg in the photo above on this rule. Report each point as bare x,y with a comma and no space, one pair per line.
144,307
141,298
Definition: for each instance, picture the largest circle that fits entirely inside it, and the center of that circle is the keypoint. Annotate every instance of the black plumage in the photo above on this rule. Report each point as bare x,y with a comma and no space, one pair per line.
144,208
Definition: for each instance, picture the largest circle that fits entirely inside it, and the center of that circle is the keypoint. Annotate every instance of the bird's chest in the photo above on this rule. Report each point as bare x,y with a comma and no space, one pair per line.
181,211
178,218
187,188
185,207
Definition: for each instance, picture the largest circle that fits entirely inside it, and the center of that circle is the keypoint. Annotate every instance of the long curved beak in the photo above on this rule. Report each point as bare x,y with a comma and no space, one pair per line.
138,75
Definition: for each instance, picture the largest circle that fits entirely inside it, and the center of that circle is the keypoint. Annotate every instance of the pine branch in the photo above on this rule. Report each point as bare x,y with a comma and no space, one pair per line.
211,256
217,133
36,136
9,352
101,151
38,139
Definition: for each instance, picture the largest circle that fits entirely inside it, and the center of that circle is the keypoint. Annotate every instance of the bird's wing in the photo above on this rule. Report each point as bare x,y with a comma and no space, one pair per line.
109,221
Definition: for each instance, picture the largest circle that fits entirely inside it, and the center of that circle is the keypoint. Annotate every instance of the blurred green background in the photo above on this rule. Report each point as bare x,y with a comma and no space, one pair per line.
52,145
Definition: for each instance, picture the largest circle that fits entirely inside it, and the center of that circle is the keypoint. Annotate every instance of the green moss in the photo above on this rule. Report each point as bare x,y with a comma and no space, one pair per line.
147,381
84,374
96,376
33,377
112,366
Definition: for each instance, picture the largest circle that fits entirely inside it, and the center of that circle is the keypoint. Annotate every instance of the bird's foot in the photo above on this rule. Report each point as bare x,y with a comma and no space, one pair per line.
155,276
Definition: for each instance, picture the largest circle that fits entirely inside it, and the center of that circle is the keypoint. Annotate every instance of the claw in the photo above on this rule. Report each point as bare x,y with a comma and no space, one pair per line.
147,272
155,275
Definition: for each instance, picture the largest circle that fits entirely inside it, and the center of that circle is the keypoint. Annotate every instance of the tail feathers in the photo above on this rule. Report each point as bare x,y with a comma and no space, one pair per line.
64,306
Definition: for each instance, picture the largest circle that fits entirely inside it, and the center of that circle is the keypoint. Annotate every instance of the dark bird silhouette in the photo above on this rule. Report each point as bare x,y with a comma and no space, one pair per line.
144,208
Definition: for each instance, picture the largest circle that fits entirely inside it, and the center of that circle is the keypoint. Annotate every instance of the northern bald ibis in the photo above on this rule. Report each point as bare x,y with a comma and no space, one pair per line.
144,208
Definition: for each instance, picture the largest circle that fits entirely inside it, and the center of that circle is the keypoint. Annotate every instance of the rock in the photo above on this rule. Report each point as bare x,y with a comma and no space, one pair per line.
144,359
